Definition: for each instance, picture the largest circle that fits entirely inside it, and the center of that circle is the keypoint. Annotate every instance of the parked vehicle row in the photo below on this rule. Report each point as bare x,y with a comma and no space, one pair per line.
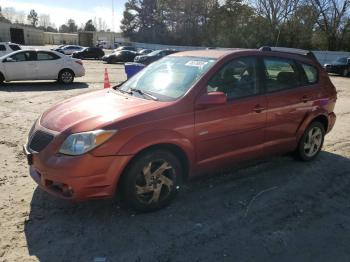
89,53
341,66
145,56
153,56
68,49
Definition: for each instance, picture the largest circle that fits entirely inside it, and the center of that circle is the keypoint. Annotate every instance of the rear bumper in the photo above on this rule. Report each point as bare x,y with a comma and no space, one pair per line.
79,72
78,178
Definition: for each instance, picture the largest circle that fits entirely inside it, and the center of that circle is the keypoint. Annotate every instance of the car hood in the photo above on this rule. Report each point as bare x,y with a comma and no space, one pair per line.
95,110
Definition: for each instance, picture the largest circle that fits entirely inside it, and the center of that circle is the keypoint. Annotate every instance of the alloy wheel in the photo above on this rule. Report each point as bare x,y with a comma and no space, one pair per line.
155,182
66,77
313,141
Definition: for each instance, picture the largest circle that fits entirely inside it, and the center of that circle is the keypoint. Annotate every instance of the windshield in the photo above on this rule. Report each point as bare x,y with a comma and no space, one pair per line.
341,60
169,78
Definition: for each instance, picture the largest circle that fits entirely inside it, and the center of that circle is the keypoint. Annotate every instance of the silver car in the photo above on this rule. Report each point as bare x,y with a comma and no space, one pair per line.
70,49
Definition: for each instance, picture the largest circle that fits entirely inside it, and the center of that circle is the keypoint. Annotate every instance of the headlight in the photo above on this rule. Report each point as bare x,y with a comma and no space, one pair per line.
80,143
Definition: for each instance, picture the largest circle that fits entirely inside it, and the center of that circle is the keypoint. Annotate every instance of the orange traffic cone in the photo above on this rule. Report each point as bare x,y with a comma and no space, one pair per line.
106,83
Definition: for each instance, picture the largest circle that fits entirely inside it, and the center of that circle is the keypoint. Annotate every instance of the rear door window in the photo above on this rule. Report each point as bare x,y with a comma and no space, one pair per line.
14,47
280,74
42,56
310,73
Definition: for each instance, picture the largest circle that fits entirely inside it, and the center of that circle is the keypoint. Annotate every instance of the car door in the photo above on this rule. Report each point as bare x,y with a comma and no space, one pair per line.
48,65
88,53
289,99
233,131
21,66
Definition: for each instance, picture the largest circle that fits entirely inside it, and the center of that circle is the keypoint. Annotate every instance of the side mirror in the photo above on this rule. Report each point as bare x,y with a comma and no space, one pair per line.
211,99
9,59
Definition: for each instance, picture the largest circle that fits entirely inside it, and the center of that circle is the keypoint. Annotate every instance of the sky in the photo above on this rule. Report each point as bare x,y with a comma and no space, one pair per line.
79,10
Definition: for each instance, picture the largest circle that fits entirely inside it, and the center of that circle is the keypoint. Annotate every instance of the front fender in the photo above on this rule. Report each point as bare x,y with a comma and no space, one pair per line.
158,137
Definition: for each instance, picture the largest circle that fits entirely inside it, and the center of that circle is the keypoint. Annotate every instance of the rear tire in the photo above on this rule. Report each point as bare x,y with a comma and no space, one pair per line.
66,76
311,142
151,180
2,78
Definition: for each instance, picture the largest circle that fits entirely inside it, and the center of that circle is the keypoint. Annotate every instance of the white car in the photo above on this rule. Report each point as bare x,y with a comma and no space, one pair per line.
40,65
7,47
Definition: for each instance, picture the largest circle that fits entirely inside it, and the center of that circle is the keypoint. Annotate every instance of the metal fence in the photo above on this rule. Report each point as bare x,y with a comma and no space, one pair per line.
322,56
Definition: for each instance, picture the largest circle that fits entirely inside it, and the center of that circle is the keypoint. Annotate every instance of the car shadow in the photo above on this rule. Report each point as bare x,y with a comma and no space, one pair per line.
40,86
266,210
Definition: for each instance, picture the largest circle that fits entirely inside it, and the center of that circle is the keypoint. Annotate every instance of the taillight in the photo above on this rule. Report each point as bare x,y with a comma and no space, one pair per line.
79,62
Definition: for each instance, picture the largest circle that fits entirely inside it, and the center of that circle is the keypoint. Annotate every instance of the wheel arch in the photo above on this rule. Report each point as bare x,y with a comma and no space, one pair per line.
175,149
323,120
319,116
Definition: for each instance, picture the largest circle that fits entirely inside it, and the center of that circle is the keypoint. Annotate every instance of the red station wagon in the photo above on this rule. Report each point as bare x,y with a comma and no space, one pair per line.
186,114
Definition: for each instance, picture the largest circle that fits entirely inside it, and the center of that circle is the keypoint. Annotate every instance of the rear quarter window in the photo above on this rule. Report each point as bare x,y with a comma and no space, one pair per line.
2,48
310,73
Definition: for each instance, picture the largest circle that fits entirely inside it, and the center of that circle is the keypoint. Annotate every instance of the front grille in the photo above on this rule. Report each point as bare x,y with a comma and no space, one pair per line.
40,140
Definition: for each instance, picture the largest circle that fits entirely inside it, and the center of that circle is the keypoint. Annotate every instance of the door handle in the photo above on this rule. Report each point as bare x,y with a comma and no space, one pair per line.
305,99
258,109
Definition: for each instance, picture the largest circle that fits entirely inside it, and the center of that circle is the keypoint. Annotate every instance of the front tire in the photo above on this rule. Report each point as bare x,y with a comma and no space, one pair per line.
311,142
66,76
345,72
2,78
151,181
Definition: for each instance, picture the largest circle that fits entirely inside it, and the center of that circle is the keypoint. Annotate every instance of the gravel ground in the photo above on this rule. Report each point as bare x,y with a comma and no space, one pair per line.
273,209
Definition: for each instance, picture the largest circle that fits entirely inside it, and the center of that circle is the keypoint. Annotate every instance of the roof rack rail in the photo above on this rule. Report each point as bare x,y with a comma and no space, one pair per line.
296,51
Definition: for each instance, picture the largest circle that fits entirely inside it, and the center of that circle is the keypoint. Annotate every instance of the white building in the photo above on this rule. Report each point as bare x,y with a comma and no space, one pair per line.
21,34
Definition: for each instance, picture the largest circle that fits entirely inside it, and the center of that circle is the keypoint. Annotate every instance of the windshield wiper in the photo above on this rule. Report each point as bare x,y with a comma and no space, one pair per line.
143,93
117,87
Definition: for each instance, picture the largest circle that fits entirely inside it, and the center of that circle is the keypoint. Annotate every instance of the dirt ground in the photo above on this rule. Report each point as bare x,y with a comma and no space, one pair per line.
274,209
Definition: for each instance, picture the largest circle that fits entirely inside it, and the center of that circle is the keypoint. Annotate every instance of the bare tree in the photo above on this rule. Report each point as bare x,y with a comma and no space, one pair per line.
44,20
276,12
20,17
332,20
9,13
101,25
